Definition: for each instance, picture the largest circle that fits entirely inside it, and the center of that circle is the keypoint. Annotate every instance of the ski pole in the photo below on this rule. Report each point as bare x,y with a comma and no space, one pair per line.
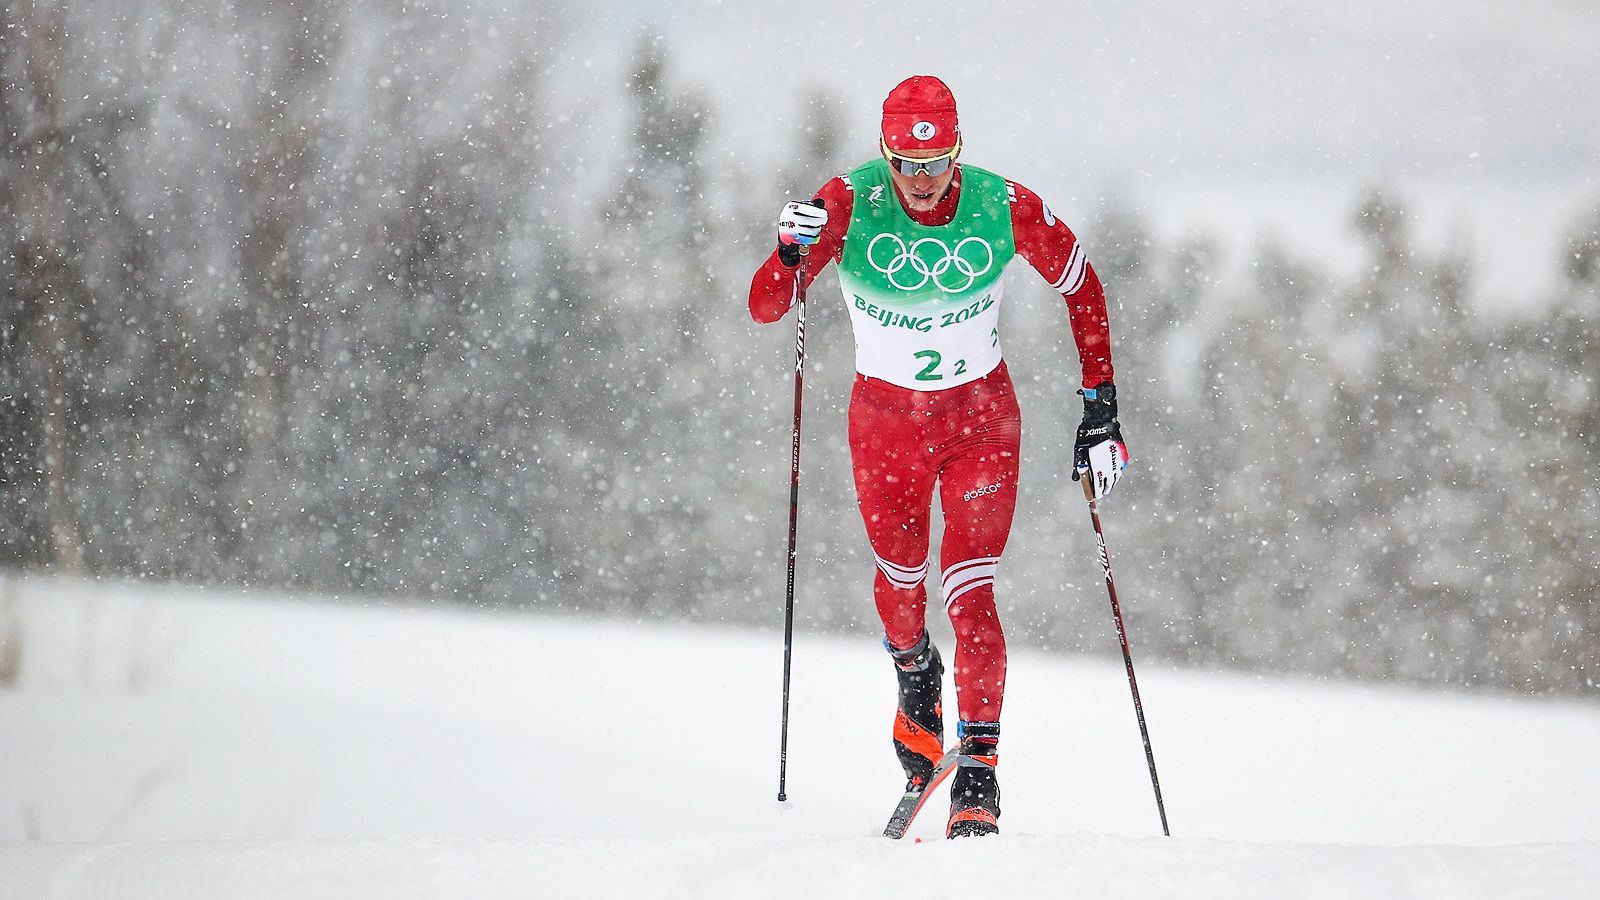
794,511
1127,656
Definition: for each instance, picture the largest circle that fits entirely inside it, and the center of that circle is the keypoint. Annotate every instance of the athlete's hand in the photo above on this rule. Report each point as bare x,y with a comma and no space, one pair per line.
1099,453
799,225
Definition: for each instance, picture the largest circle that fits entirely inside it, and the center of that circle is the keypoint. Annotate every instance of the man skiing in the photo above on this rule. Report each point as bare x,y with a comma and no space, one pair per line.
921,242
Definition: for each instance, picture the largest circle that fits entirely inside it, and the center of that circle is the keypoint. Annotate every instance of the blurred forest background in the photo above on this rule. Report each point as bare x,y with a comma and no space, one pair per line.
322,295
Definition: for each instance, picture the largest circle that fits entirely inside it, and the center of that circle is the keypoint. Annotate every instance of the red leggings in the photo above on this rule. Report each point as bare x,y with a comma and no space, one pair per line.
966,439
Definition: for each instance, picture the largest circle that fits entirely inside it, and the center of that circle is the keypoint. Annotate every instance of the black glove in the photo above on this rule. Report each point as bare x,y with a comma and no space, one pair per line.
799,226
1099,448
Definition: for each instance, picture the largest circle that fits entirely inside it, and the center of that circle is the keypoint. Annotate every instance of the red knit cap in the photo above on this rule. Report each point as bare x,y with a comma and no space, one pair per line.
920,114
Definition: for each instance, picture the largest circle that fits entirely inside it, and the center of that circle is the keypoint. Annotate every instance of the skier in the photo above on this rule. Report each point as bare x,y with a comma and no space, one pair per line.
921,241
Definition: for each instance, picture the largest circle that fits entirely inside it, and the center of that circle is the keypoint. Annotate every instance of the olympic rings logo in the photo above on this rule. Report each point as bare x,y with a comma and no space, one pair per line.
964,259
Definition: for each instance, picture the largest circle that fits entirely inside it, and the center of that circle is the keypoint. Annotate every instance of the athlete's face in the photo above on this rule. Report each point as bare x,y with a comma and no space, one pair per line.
922,192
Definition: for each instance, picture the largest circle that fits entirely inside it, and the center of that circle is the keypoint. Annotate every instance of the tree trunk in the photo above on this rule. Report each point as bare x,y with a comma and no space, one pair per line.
49,288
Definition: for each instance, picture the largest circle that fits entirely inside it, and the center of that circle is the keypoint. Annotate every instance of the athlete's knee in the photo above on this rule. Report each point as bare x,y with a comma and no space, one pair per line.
902,577
969,602
970,575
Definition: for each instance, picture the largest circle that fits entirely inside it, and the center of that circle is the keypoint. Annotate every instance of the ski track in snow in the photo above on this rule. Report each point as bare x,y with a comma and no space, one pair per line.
170,743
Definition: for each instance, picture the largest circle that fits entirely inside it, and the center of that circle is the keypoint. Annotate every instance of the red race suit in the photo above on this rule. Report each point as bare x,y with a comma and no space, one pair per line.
963,439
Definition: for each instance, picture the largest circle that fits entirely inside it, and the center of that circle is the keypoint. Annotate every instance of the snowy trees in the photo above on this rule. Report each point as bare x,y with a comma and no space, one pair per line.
1380,482
50,194
392,299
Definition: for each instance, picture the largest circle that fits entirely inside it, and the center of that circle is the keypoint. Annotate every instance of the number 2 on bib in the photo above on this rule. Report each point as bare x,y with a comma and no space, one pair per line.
934,359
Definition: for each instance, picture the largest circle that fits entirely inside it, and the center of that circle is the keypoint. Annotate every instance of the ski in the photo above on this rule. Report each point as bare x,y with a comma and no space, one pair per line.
911,804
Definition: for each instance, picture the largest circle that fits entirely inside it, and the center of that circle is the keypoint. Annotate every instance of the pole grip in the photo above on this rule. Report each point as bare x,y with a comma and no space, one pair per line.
805,249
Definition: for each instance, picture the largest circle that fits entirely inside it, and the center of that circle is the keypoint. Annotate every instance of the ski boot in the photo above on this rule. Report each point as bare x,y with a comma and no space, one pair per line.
974,792
919,717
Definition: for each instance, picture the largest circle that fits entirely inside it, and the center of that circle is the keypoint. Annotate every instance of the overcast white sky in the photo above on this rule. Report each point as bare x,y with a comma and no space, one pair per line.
1241,118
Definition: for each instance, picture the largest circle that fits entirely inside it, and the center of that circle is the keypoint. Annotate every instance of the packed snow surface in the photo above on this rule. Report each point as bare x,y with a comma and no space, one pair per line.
161,743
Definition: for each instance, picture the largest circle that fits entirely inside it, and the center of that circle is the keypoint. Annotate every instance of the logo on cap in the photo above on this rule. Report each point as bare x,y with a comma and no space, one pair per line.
923,131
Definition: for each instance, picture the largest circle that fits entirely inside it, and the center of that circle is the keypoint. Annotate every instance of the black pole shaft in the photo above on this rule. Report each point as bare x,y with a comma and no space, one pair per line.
1127,655
794,518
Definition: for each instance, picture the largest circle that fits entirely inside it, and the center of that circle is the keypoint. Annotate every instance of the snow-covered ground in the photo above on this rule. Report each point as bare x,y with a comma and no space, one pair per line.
159,742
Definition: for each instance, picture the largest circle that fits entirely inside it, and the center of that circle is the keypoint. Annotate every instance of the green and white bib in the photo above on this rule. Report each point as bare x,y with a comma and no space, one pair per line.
925,300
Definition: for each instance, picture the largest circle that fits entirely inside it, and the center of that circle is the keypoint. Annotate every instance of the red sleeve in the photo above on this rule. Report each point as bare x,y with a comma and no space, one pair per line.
1053,250
773,289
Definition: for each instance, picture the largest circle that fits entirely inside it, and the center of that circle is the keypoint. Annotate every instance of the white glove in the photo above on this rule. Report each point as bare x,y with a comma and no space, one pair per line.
1106,461
800,223
1099,453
